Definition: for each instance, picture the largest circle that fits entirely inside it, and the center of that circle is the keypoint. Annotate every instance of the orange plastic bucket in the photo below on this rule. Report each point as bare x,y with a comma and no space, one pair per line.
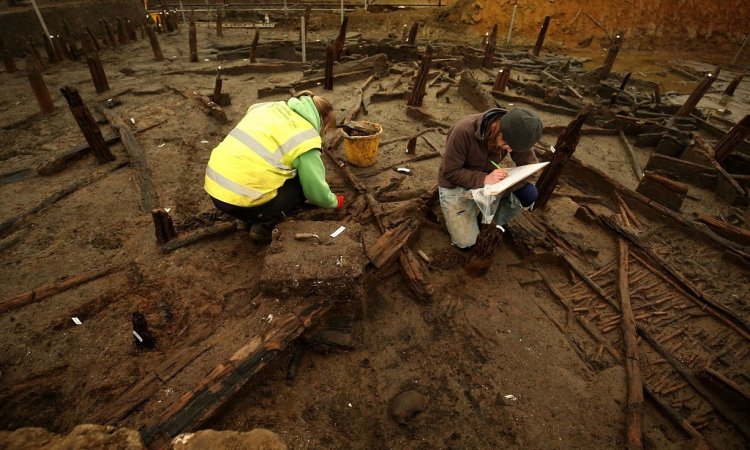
362,151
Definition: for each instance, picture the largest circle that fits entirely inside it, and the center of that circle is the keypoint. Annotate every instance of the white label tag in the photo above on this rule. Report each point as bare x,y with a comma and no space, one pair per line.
338,231
403,170
77,321
137,336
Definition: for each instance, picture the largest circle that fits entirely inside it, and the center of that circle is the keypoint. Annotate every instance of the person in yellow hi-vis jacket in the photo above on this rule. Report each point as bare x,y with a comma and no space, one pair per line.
270,163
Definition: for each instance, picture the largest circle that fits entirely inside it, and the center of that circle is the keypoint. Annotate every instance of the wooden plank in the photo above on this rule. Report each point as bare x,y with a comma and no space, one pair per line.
390,243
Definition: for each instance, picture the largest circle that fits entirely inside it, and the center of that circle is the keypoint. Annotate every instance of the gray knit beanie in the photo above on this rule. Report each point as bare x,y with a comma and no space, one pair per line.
521,129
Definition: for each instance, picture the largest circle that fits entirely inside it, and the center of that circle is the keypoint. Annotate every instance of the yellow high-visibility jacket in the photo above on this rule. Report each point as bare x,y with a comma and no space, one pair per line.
255,159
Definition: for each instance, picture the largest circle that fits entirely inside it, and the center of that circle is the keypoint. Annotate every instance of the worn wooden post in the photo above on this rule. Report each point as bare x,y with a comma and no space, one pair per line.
219,21
110,33
163,225
412,39
540,38
328,73
404,38
611,56
489,51
50,49
154,41
122,36
501,80
193,42
97,71
218,97
338,44
10,64
93,39
130,29
484,250
34,73
729,90
254,46
729,142
60,48
688,107
88,125
564,148
417,93
35,54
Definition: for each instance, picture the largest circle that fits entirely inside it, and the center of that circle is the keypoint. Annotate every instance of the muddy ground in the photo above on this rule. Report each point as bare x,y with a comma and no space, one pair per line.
498,361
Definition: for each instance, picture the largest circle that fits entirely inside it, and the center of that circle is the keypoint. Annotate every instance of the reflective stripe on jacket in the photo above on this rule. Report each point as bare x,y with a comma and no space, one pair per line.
255,159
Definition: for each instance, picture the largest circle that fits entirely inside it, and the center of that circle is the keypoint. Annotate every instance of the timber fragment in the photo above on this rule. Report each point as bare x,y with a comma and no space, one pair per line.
420,83
662,190
540,38
700,90
34,74
88,125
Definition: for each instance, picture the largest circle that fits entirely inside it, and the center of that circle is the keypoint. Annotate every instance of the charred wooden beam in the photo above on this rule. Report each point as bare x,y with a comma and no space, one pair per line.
390,243
484,250
700,90
338,44
420,83
732,139
565,146
34,74
193,42
540,38
501,80
254,47
328,75
154,41
489,51
163,225
88,125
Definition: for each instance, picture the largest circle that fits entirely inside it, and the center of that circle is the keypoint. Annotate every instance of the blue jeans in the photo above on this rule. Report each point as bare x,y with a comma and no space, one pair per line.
461,212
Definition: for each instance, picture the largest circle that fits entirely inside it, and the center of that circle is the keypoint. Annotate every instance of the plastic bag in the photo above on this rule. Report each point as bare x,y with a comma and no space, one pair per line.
487,204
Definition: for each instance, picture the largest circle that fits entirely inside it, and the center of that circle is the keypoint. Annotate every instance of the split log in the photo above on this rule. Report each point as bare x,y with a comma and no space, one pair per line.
59,162
687,108
489,51
565,146
51,289
148,197
418,91
540,38
484,250
212,231
205,104
197,406
634,409
631,155
471,91
391,242
338,44
88,125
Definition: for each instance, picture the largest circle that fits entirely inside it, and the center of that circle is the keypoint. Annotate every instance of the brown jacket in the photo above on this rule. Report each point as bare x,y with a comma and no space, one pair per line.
467,157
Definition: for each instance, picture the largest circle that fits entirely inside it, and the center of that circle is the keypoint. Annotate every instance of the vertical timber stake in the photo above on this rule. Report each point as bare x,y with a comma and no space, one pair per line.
154,41
193,42
97,71
565,146
338,44
484,250
688,107
110,33
88,125
609,61
328,78
501,80
542,34
731,140
254,47
163,225
412,39
57,43
34,73
121,34
219,22
417,94
50,49
489,51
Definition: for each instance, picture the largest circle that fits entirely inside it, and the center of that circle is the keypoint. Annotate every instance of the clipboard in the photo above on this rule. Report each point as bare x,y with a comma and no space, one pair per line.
515,174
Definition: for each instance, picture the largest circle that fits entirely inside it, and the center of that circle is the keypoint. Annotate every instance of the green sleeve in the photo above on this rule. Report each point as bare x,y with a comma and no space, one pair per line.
312,176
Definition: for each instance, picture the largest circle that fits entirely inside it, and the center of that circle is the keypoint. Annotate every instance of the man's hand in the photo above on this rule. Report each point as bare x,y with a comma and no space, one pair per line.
495,176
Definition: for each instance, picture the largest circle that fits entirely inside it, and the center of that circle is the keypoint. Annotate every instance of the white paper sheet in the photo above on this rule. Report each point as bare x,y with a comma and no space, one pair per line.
515,174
